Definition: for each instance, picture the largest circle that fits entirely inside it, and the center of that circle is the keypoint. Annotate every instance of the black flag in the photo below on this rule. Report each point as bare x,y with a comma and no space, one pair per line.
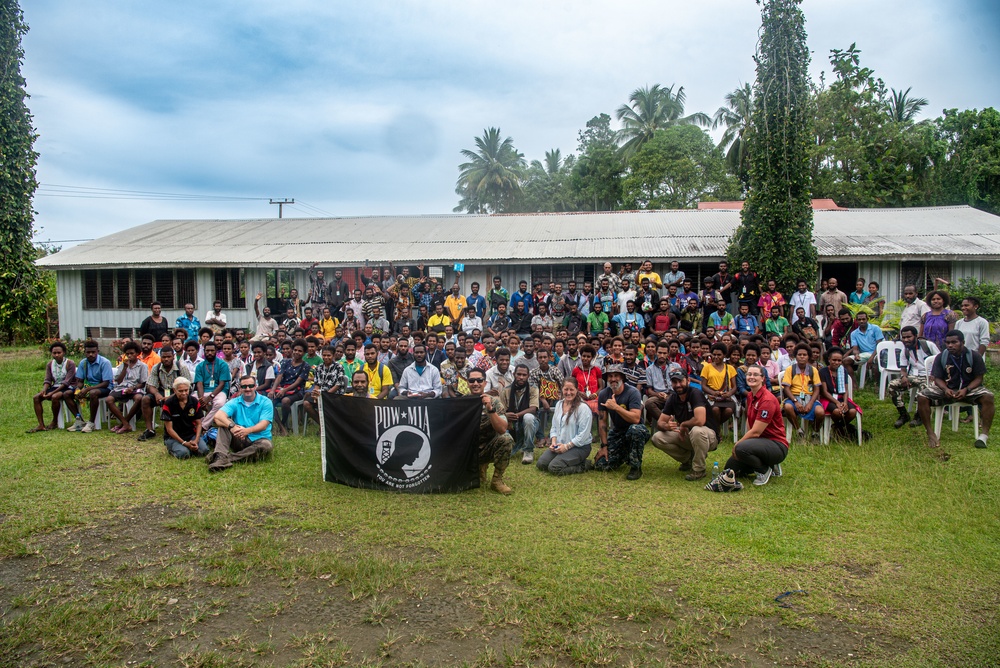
418,445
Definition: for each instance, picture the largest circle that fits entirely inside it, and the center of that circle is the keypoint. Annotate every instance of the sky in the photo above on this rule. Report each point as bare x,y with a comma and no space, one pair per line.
362,108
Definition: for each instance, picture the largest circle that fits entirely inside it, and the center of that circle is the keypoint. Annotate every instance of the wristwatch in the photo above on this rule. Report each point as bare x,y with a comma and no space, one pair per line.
231,424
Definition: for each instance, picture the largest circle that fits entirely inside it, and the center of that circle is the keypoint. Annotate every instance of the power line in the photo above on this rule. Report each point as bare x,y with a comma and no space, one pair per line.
318,210
87,192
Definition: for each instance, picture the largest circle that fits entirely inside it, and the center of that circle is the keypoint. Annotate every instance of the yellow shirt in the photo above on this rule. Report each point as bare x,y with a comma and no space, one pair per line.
328,327
654,279
441,321
375,383
800,383
714,379
455,306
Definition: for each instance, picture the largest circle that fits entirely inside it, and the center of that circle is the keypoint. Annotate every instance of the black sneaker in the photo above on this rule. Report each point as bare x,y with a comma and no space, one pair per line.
146,435
634,473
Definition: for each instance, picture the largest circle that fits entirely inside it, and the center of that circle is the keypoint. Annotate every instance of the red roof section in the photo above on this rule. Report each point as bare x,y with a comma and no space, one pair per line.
817,205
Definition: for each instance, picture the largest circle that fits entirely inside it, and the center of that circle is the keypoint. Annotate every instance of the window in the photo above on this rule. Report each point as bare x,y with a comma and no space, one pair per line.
230,288
127,289
279,283
562,273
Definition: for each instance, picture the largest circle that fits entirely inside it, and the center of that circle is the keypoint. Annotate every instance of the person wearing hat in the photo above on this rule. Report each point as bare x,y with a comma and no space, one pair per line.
689,431
622,434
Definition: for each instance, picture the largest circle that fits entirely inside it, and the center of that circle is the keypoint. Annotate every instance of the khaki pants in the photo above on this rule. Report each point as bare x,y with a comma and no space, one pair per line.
699,442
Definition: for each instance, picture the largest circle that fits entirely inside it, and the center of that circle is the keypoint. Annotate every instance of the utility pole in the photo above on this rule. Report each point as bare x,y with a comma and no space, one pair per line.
281,204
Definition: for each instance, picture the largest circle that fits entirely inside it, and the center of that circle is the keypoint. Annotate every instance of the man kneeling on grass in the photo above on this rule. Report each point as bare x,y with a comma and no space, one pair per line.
182,416
244,428
956,376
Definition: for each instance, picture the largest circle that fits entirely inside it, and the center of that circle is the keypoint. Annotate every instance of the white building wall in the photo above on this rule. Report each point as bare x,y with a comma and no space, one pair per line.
886,274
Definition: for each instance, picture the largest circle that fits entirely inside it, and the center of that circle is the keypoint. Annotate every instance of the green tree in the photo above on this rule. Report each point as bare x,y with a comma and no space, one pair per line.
902,108
21,289
862,156
546,185
651,109
596,178
970,173
735,117
490,182
675,169
775,234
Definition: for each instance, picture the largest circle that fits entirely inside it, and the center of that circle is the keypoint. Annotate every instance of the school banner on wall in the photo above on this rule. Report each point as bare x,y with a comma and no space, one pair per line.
419,445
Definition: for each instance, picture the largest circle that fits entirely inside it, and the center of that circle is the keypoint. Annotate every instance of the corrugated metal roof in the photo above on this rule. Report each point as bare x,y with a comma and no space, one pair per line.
959,232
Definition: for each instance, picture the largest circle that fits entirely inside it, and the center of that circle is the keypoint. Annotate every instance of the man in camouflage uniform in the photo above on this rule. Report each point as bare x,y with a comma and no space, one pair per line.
495,444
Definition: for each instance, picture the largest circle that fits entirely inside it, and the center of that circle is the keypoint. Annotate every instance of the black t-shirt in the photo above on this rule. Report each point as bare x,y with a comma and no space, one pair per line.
157,329
683,409
720,281
629,398
958,372
747,286
183,421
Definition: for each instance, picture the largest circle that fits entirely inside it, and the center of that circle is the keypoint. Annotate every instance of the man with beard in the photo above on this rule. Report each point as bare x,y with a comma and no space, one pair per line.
420,380
495,444
621,406
519,403
688,431
337,294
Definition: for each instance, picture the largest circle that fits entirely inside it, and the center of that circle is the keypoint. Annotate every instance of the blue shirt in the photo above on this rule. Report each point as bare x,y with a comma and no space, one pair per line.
748,324
191,325
247,415
212,375
518,297
96,373
479,302
867,340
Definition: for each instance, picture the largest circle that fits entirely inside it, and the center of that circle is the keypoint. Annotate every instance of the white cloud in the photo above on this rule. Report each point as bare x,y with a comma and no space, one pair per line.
362,109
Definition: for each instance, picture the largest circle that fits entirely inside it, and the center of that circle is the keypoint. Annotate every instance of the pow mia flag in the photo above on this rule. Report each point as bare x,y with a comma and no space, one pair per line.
419,445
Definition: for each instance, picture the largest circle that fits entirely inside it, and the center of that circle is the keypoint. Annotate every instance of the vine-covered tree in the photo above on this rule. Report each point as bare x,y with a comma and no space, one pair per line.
20,287
775,234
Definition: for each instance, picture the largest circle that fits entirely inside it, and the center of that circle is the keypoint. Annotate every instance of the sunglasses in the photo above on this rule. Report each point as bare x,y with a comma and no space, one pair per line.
476,380
248,387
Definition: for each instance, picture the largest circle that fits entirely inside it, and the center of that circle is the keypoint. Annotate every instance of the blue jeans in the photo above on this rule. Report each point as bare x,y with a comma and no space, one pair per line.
179,451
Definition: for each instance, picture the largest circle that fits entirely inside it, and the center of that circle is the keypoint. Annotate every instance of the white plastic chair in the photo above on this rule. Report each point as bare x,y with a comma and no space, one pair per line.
828,421
298,406
893,351
937,412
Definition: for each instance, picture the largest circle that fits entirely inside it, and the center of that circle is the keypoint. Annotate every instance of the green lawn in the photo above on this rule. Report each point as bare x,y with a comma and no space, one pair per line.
114,553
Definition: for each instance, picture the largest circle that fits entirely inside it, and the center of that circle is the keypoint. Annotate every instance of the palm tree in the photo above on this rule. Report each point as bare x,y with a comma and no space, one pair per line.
651,109
735,117
902,108
491,179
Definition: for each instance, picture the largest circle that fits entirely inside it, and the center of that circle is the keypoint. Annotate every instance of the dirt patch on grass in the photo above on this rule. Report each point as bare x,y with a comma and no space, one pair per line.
172,585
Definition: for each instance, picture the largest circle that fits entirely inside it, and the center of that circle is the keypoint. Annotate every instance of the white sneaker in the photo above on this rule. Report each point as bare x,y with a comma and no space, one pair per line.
87,428
528,458
762,478
76,426
776,470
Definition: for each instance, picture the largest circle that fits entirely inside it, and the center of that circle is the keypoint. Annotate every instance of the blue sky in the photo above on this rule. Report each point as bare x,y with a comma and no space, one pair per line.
362,108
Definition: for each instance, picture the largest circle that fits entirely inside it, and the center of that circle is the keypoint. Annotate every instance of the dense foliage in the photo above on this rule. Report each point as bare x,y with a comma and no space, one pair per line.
866,148
775,234
22,291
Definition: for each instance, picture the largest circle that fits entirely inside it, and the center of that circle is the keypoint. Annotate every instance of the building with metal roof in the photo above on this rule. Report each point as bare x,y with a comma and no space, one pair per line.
105,292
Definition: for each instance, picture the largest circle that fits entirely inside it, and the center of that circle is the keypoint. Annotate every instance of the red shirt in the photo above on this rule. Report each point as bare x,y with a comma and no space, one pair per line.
764,406
586,381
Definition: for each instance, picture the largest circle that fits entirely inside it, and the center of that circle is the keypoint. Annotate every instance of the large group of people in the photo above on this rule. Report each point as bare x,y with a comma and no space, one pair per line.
645,357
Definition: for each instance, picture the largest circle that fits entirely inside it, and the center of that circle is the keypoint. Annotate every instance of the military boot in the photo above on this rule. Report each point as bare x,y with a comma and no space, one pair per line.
904,417
498,484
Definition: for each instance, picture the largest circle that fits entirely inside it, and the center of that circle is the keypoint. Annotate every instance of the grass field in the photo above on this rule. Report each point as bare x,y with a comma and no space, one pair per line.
114,553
